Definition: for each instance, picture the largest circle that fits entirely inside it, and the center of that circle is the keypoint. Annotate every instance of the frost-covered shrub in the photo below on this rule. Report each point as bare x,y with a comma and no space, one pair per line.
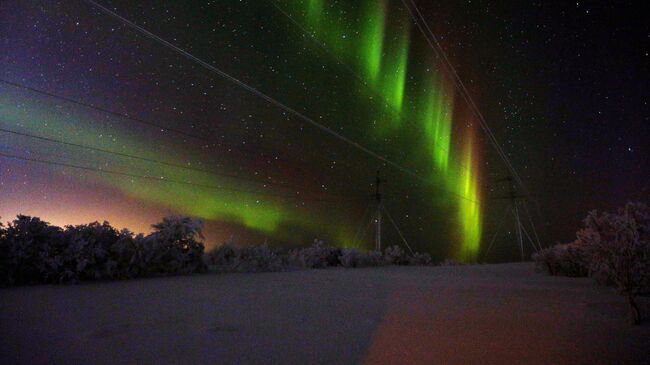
4,255
614,249
173,247
22,247
124,252
545,260
317,255
32,251
86,254
231,258
619,248
258,259
395,255
564,259
222,258
352,257
372,258
420,259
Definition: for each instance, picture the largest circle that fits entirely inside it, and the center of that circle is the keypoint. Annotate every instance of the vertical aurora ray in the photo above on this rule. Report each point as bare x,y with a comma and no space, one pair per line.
469,212
394,70
436,118
381,54
372,39
458,174
412,110
314,12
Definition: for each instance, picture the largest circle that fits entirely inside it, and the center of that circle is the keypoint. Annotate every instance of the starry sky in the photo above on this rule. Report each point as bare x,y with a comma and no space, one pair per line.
98,122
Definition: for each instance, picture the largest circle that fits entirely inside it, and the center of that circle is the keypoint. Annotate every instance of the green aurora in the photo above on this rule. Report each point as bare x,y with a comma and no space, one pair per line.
229,201
378,49
382,47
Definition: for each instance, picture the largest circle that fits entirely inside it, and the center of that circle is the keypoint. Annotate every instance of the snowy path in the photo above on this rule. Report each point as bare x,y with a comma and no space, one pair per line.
395,315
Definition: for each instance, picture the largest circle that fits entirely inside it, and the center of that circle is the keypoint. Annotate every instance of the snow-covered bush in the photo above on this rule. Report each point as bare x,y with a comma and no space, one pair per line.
231,258
86,254
173,247
372,258
22,250
564,259
32,251
317,255
4,256
222,258
125,253
395,255
352,257
420,259
619,247
614,249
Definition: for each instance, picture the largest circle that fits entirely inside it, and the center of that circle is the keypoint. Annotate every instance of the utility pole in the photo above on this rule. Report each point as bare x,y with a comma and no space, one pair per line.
377,216
514,198
378,182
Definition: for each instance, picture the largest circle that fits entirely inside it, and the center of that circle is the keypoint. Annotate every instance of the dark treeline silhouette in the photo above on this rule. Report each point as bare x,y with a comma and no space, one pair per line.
33,251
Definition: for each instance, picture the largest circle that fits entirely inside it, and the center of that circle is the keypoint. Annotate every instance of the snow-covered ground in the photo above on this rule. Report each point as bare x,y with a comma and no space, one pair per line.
490,314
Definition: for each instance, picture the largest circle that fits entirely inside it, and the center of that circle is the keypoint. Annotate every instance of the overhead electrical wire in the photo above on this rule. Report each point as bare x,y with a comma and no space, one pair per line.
160,127
151,160
262,95
253,90
174,181
355,75
124,116
433,42
435,45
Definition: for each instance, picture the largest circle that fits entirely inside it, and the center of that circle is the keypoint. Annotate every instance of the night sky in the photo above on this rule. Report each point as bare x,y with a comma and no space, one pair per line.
563,86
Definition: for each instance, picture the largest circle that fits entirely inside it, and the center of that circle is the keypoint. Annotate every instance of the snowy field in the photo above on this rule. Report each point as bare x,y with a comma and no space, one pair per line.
491,314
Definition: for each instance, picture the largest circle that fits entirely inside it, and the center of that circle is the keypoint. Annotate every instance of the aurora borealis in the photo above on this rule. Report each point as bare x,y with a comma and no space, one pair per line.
382,46
255,172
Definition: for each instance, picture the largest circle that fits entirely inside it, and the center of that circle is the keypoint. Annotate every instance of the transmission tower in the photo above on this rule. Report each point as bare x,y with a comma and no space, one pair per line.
516,201
378,181
377,211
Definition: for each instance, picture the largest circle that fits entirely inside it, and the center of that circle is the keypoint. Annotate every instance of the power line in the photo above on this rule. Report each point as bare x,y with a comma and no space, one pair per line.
390,218
162,128
468,98
252,90
124,116
324,47
162,178
355,75
151,160
433,42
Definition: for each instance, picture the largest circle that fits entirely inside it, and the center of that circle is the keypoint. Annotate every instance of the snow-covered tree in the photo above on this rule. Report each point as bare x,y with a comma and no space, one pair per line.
613,248
173,246
619,247
318,255
256,258
22,249
395,255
